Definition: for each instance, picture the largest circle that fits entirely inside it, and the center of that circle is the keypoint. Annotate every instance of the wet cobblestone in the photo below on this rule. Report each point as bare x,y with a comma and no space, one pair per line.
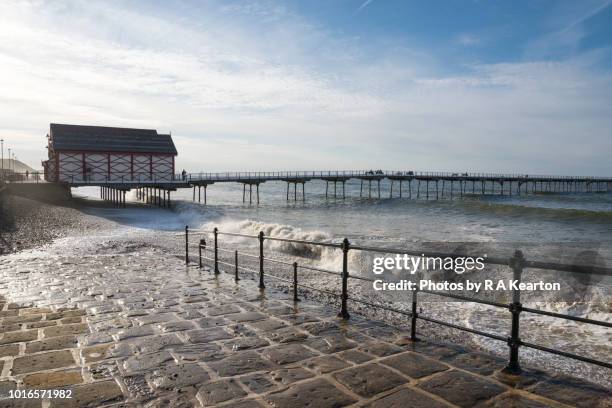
140,329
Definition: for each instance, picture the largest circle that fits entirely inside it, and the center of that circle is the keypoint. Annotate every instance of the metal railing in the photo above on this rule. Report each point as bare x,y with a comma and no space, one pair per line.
517,263
127,178
10,176
284,175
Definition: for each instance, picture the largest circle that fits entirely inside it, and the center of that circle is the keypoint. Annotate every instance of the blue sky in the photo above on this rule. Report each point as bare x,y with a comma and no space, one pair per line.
347,84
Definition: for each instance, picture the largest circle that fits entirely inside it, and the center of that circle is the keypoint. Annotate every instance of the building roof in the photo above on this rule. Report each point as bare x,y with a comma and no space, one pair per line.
109,139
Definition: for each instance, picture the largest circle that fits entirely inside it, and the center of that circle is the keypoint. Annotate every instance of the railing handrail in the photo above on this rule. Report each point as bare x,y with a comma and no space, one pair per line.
571,268
97,177
254,175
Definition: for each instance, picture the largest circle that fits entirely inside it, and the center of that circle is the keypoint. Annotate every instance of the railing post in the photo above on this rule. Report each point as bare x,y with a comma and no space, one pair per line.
261,260
216,234
414,316
295,282
517,263
236,278
200,247
345,248
186,244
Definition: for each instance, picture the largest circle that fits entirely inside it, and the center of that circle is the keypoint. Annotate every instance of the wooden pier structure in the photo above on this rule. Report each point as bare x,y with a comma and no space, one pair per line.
404,184
401,184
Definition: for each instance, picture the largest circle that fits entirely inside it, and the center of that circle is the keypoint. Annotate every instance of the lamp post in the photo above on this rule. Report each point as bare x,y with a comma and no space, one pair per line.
2,161
9,158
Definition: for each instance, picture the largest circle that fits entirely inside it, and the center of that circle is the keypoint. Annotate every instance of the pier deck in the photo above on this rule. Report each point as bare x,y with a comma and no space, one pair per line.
403,184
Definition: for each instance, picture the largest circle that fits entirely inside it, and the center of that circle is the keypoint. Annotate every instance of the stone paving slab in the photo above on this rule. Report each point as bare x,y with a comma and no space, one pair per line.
406,397
572,392
43,361
317,393
462,389
220,391
139,334
414,365
370,379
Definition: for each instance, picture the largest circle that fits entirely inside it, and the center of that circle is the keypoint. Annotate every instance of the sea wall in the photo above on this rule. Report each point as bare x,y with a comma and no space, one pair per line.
45,192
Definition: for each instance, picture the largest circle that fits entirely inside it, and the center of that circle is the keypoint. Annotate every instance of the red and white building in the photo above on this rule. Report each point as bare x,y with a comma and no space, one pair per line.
98,154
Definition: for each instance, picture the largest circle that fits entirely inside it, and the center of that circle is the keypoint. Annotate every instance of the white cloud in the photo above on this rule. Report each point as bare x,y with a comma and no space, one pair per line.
468,40
294,96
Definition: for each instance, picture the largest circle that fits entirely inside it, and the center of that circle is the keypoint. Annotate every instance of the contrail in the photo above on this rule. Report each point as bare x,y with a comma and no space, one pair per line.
582,19
363,5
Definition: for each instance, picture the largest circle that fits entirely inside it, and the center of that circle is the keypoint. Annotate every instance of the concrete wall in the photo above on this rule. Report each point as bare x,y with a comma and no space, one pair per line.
45,192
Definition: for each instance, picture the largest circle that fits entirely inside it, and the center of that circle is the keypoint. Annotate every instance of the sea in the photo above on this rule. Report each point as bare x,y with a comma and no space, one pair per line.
570,228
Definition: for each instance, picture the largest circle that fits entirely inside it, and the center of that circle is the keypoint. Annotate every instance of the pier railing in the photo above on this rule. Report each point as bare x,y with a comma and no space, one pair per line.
305,175
209,251
128,178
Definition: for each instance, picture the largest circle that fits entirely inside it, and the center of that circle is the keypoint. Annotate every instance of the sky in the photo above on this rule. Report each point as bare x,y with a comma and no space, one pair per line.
487,85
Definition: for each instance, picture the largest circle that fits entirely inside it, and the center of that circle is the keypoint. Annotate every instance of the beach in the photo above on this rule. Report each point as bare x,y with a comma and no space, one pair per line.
27,223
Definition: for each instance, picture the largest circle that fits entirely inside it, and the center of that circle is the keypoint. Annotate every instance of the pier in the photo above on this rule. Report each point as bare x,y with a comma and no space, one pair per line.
401,184
411,184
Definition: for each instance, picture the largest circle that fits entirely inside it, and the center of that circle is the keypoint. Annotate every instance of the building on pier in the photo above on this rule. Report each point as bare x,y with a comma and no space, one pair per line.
85,154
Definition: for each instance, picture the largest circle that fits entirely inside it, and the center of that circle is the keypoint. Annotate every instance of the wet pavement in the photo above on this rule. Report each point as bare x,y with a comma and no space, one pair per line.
136,327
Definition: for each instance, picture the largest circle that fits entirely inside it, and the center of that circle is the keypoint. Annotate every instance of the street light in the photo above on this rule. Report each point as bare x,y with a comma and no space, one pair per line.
2,161
9,158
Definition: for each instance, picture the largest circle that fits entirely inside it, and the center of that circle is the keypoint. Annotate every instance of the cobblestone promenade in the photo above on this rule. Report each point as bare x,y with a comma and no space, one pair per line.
137,328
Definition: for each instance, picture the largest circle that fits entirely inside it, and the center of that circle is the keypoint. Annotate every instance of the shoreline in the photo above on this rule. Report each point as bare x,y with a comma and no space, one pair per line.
28,223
